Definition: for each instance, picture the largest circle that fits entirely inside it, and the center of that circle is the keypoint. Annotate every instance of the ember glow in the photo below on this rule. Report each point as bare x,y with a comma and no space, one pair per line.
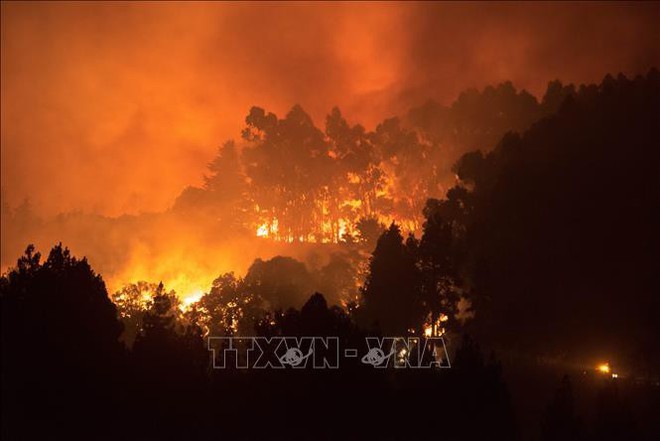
186,276
479,178
370,60
190,299
101,107
435,329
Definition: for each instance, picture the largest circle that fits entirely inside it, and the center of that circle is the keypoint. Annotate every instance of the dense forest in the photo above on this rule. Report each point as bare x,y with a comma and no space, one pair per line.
522,232
295,182
288,182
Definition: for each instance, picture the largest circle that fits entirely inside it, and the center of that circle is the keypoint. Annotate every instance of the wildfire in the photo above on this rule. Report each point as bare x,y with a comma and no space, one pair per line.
344,227
268,230
190,299
187,275
262,230
330,231
435,329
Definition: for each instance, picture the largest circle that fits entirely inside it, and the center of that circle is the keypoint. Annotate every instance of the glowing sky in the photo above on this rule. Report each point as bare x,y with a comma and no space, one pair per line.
114,108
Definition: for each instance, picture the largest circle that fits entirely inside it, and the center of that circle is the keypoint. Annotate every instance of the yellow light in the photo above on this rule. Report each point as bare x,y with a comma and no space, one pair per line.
604,368
187,301
262,231
428,331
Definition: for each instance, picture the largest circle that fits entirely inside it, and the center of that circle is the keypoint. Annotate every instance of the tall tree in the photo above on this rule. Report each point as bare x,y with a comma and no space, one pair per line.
560,421
132,302
227,186
60,346
391,291
561,221
289,167
229,308
439,260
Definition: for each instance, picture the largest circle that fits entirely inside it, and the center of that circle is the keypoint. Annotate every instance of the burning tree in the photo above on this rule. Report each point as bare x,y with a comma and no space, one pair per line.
289,167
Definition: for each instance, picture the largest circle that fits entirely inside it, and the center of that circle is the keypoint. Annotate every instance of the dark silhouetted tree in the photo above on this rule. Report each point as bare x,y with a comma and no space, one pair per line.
132,302
560,421
289,167
283,282
61,354
391,291
229,308
369,230
554,209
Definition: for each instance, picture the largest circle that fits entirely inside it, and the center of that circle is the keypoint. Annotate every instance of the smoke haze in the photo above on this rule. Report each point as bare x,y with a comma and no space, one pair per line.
113,108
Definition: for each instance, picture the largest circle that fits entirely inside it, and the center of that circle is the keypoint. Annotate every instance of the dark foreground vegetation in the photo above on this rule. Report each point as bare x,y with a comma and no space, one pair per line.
550,238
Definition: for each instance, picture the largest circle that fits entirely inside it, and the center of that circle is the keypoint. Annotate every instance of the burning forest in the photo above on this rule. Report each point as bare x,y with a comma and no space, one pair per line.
334,222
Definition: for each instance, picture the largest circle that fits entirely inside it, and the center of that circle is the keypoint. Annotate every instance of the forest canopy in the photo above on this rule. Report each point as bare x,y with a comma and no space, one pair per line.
559,192
544,248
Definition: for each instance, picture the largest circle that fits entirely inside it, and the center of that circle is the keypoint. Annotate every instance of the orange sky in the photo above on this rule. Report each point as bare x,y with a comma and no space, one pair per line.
114,108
